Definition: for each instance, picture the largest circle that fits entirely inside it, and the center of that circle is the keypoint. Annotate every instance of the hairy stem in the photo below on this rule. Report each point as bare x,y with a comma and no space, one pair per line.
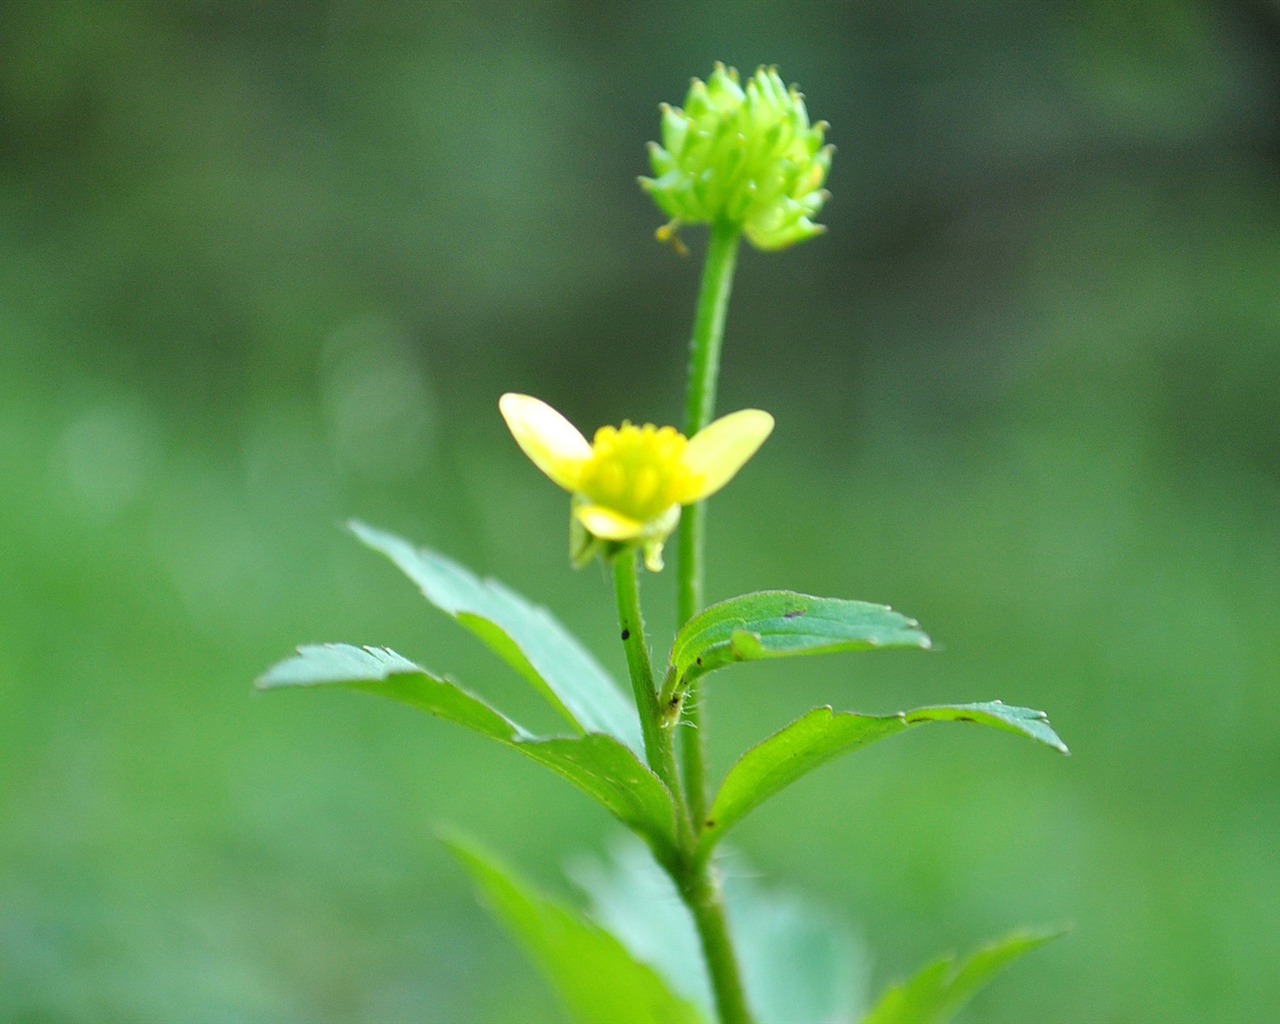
700,403
658,746
698,882
705,900
695,877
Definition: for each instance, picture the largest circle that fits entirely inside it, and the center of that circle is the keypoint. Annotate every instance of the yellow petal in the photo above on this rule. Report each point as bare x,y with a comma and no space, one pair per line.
607,524
553,444
718,451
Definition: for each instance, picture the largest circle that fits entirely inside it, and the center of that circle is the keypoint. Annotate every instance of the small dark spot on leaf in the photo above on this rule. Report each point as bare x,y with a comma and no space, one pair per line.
698,660
674,702
795,613
626,634
709,823
965,718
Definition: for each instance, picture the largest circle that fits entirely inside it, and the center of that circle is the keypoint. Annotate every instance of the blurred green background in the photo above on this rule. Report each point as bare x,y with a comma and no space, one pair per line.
267,266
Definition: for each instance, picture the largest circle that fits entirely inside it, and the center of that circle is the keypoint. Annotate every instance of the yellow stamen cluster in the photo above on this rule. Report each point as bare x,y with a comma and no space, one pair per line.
637,471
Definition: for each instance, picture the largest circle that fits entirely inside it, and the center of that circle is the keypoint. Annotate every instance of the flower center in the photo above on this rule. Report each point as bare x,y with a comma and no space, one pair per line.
637,471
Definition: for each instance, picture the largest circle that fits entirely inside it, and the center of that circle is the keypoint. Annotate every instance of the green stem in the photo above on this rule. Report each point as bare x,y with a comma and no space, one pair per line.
699,884
658,746
695,877
705,900
708,325
700,403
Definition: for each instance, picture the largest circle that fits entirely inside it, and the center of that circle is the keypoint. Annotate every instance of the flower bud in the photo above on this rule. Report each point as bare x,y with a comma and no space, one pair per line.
742,156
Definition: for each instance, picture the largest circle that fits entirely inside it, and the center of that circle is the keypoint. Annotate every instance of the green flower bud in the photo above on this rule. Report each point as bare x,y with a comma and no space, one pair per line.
743,156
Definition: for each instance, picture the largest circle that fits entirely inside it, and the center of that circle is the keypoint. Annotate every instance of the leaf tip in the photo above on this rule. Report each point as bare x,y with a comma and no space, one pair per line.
276,676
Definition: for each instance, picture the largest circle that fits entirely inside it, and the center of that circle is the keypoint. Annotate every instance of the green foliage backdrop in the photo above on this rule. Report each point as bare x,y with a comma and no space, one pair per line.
266,267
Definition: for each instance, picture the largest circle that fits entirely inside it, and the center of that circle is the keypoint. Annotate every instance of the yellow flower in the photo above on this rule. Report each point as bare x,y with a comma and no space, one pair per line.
629,483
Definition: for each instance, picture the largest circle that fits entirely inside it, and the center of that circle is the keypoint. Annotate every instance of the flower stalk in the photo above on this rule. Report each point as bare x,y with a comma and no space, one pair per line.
704,897
695,877
658,747
700,402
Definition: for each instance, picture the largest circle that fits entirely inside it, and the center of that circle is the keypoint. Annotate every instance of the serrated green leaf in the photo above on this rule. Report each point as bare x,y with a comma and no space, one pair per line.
942,988
385,673
783,624
524,635
822,734
598,765
590,969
